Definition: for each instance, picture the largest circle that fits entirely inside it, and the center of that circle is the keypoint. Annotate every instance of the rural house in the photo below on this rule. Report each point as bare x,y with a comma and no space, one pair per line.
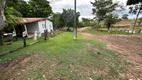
32,25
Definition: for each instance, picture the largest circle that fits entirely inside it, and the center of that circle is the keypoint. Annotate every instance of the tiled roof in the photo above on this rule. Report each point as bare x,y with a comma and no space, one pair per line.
30,20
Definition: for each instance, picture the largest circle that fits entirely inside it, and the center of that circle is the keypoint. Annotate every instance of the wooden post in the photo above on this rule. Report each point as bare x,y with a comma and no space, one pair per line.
24,41
1,39
24,36
46,32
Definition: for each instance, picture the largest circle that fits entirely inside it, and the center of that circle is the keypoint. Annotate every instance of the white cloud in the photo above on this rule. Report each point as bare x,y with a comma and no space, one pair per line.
83,6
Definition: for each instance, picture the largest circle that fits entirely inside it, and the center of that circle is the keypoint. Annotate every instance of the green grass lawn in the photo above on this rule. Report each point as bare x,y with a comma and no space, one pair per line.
63,58
103,31
16,44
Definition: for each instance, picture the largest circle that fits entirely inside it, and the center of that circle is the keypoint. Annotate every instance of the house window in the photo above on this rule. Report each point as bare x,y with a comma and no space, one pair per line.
43,26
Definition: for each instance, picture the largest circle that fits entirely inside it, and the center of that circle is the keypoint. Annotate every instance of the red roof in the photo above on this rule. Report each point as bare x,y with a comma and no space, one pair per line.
31,20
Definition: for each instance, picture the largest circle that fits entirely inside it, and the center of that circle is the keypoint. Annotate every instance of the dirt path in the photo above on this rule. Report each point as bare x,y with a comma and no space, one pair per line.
128,47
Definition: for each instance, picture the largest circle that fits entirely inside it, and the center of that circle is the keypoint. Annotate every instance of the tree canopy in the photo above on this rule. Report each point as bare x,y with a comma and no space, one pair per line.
105,10
40,8
34,8
56,20
67,18
102,7
125,16
132,2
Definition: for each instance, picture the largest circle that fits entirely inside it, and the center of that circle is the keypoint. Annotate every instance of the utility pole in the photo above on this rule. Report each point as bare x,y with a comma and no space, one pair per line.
75,27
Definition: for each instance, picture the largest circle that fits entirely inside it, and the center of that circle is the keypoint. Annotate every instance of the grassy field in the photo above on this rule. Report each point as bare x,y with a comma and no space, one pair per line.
103,31
16,44
62,58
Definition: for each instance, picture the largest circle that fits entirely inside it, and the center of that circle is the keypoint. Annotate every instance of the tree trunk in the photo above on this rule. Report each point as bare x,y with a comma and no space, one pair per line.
2,17
136,21
1,39
108,27
97,27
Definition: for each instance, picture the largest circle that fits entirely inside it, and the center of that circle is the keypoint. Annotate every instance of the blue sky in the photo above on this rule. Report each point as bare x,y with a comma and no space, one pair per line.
83,6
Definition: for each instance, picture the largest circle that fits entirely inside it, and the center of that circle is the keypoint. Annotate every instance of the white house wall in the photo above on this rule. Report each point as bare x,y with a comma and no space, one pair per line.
41,25
49,26
32,27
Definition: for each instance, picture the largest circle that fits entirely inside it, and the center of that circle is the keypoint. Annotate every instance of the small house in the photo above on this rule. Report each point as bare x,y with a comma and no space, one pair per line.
37,25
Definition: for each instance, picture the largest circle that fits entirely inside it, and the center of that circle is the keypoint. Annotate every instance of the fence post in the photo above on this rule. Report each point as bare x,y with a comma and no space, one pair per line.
24,38
24,41
1,39
46,34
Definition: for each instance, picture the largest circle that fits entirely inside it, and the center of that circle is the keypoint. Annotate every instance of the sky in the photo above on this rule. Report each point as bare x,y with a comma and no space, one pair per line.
83,6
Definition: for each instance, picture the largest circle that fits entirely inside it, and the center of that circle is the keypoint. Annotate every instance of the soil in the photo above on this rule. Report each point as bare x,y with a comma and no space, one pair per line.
129,47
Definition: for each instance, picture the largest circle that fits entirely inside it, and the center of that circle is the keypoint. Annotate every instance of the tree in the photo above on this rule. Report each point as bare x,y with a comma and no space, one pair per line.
20,5
2,17
56,20
125,16
135,10
110,20
12,15
40,8
88,22
101,8
68,19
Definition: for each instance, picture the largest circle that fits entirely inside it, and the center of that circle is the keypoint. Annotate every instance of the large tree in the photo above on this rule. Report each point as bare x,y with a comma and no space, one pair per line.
56,20
136,9
40,8
20,5
101,8
110,20
2,17
67,18
125,16
106,10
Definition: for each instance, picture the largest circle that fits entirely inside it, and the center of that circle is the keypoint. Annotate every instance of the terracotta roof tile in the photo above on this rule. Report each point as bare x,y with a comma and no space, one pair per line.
30,20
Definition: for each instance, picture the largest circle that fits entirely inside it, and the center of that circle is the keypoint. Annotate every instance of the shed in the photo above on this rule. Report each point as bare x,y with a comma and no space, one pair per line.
36,24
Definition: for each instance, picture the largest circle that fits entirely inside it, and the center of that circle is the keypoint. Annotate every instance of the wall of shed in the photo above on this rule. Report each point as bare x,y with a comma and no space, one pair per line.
32,27
49,26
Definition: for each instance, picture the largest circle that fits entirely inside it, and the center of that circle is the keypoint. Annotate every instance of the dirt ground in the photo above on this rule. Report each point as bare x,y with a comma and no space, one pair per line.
128,47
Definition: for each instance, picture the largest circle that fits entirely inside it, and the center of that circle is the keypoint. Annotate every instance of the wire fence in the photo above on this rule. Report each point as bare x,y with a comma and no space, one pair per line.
12,44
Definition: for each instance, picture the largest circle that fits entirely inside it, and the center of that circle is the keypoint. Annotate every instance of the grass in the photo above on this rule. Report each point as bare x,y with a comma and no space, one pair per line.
63,58
16,44
103,31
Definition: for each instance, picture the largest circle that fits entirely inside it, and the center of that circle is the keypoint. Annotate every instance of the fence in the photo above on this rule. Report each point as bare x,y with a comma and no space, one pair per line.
13,43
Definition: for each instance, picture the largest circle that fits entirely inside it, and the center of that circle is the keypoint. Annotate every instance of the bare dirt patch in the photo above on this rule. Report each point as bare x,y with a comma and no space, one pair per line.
129,48
12,70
